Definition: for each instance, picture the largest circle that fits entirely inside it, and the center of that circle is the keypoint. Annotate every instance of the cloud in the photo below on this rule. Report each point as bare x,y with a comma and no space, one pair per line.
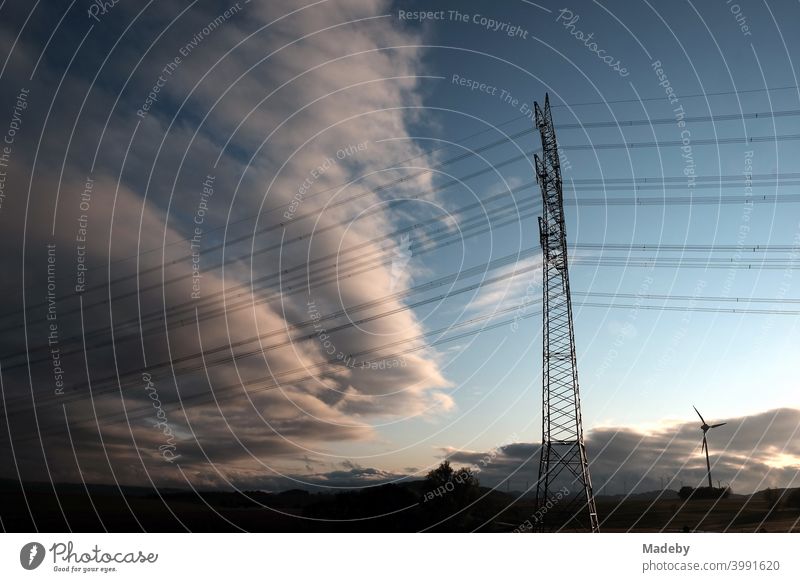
749,453
344,476
524,284
262,397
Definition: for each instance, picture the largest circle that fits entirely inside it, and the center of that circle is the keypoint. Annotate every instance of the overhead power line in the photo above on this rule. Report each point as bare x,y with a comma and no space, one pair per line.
486,147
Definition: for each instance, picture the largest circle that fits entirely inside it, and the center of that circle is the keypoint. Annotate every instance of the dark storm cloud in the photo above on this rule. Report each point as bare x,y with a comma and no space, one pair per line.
749,453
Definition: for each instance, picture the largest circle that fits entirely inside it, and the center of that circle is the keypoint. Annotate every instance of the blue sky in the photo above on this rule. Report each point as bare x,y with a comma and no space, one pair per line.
728,364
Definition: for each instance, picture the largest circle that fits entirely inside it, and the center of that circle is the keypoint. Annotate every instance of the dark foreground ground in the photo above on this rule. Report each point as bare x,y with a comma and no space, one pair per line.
387,508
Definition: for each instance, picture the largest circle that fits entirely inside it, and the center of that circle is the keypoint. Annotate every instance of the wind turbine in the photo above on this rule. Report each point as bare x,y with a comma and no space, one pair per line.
705,427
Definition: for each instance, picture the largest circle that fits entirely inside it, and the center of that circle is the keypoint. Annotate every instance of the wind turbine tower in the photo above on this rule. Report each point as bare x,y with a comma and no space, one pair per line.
705,428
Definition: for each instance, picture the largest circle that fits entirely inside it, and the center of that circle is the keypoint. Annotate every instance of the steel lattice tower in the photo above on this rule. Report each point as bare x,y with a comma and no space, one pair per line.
564,498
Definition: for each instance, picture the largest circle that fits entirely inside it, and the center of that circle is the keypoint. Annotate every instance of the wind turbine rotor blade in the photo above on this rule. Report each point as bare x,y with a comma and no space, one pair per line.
704,446
716,425
698,414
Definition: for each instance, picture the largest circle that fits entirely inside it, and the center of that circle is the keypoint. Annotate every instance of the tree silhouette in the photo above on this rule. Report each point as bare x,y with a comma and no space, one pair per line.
793,499
448,494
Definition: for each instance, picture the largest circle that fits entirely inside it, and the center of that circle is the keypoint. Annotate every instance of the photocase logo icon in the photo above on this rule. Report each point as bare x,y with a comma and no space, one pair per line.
31,555
402,254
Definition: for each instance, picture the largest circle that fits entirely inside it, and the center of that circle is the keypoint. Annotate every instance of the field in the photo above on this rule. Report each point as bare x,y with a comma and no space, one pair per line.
402,508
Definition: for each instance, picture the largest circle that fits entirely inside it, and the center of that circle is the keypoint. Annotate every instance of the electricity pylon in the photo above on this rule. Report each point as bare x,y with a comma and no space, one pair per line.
564,497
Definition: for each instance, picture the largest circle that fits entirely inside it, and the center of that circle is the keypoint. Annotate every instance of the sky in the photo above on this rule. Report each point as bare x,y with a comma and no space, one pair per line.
265,245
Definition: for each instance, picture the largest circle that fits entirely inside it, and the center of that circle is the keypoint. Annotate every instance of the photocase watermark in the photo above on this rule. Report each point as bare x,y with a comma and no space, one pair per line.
680,121
383,364
568,20
539,514
460,478
318,172
66,559
94,560
507,98
744,223
493,90
325,339
167,449
14,125
152,96
52,321
329,347
491,455
169,69
31,555
100,8
84,204
739,17
485,22
197,235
